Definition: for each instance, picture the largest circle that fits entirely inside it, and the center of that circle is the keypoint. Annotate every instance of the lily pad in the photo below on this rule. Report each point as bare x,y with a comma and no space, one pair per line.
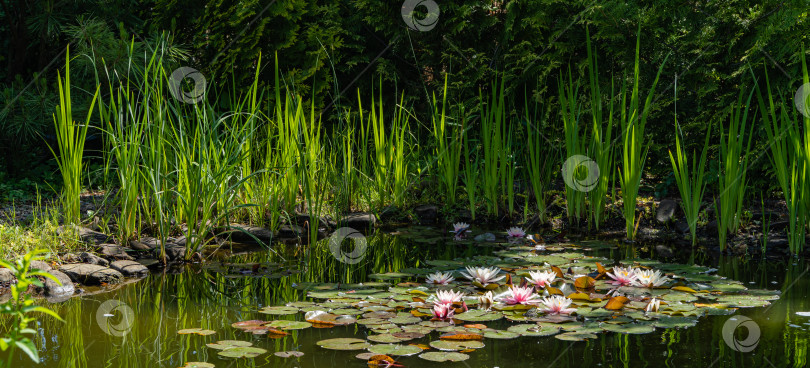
196,331
198,365
242,352
534,330
344,344
289,325
395,349
444,356
279,310
478,315
575,336
454,345
288,354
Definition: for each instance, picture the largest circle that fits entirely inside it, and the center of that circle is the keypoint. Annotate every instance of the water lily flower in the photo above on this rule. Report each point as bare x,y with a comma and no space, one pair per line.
649,278
443,311
448,297
519,295
485,301
459,228
440,278
541,279
653,305
556,304
623,276
515,233
483,275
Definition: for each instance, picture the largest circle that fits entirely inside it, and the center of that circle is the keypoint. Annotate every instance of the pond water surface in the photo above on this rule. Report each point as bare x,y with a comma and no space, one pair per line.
206,297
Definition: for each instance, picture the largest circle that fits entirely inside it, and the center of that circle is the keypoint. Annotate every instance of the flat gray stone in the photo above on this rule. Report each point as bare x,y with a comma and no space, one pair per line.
666,209
86,235
88,274
360,221
40,265
6,276
114,252
426,214
93,259
249,233
290,231
58,289
130,268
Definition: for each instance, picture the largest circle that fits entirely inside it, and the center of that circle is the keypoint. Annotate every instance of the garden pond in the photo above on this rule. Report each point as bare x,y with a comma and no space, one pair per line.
249,309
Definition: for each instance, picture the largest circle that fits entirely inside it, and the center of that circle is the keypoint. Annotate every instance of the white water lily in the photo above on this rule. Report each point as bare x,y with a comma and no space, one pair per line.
447,297
514,233
541,279
486,300
440,278
649,278
556,304
653,305
483,275
623,276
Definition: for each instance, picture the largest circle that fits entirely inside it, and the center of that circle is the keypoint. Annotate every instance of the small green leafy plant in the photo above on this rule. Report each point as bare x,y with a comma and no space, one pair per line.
20,307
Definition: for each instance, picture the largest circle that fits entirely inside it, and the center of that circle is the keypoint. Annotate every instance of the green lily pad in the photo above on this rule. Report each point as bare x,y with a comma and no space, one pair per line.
288,354
198,365
533,330
500,334
575,336
242,352
279,310
629,328
675,322
453,345
344,344
228,344
395,349
444,356
289,325
196,331
386,338
478,315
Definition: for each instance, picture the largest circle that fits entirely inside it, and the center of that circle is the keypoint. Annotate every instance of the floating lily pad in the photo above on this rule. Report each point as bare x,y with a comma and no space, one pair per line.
534,330
196,331
289,325
198,365
444,356
228,344
288,354
386,338
500,334
242,352
279,310
575,336
344,344
629,328
454,345
478,315
395,349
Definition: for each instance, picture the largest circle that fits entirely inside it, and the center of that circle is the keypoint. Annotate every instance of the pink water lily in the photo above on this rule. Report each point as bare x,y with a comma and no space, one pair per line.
440,278
556,304
448,297
459,229
519,295
443,311
623,276
515,233
541,279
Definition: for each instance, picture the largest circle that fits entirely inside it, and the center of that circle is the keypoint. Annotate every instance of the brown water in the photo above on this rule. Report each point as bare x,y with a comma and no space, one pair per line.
205,297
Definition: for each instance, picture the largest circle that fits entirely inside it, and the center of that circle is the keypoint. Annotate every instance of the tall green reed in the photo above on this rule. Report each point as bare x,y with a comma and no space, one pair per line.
70,138
496,142
633,121
447,149
732,181
601,141
691,185
575,146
